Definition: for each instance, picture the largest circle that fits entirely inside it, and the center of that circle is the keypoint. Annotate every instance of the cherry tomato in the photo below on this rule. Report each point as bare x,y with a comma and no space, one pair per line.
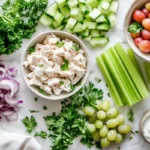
145,11
135,35
149,15
138,16
146,23
137,41
147,6
145,34
144,46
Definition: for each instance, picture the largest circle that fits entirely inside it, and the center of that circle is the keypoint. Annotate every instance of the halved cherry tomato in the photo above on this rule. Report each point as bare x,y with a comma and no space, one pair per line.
144,46
135,35
146,23
145,11
145,34
138,16
137,41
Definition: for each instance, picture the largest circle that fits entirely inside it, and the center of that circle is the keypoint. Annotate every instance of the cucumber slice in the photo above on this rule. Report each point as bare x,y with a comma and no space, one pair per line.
103,11
112,19
95,33
64,22
82,6
104,5
85,24
102,19
85,33
61,3
45,20
82,1
78,17
92,25
86,11
94,13
65,11
92,3
58,17
99,41
60,27
88,38
72,3
56,24
78,28
113,6
52,26
71,23
103,26
52,10
74,11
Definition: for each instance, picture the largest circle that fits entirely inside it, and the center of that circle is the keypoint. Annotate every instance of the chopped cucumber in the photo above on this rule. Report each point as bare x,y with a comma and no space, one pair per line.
78,28
112,19
94,13
95,33
109,1
88,38
64,22
74,11
60,27
103,26
72,3
52,26
56,24
61,3
45,20
85,24
71,23
65,11
102,19
58,18
82,1
86,10
92,25
52,10
113,6
92,3
104,5
99,41
85,33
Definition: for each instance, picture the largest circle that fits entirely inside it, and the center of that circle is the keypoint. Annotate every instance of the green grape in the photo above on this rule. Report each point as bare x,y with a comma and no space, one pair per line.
98,104
91,127
88,110
120,119
96,136
124,129
105,105
105,142
92,119
112,113
111,135
101,115
98,124
103,131
118,138
112,123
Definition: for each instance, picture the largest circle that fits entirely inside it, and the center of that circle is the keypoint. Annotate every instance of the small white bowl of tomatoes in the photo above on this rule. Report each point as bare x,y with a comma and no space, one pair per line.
137,28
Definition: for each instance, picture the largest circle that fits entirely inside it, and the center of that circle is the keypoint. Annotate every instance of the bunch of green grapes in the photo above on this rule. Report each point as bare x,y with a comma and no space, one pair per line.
105,124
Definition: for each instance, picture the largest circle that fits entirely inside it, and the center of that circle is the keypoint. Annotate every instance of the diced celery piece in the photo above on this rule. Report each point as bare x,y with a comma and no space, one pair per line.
103,26
65,11
71,23
85,33
92,3
112,19
78,28
78,17
101,19
95,33
94,13
45,20
146,66
61,3
56,24
60,27
99,41
86,10
85,24
103,11
74,11
92,25
72,3
58,17
113,6
104,5
52,10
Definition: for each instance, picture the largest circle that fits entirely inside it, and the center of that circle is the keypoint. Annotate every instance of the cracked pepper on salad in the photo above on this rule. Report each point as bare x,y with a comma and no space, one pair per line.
55,65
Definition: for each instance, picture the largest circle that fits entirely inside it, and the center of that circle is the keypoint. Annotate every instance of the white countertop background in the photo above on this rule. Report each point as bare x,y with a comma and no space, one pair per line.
116,34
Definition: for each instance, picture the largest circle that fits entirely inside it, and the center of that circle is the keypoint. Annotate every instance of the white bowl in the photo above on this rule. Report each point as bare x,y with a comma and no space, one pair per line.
40,38
137,4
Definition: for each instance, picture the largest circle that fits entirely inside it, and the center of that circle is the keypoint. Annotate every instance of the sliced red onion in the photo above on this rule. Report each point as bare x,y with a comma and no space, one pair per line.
3,64
12,71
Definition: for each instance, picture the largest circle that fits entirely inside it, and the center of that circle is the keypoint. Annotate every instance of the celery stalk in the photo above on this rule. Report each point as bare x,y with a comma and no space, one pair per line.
147,70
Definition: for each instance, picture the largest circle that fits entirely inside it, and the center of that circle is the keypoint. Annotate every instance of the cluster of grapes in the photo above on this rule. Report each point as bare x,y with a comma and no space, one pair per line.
105,123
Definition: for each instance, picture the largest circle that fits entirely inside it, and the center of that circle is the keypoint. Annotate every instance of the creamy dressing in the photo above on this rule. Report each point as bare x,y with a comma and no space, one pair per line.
146,129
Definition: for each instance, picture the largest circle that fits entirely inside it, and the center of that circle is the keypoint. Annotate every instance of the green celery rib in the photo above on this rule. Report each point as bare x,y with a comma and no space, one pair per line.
108,78
147,70
137,80
126,77
118,76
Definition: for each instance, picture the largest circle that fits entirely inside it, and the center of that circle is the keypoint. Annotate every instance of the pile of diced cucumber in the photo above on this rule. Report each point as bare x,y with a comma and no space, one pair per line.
89,19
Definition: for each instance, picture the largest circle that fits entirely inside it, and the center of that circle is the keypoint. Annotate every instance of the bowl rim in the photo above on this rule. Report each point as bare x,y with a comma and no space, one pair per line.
85,77
145,56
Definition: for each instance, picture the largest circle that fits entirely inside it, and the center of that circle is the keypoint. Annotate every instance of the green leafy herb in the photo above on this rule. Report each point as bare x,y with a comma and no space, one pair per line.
42,92
135,28
130,115
31,50
60,44
61,82
42,134
18,21
44,107
33,111
72,87
98,80
36,99
76,47
65,65
30,123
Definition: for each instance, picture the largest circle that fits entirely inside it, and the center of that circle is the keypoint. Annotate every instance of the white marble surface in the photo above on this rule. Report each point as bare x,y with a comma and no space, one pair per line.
115,35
